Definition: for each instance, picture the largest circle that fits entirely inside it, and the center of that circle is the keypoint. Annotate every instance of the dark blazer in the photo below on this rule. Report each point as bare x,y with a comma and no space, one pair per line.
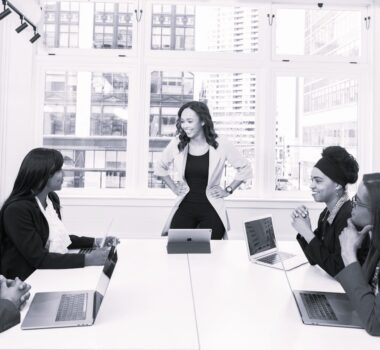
366,304
324,248
9,315
24,232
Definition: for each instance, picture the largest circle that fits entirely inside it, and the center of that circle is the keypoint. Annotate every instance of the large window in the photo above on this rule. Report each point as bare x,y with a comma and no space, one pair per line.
312,113
85,117
98,25
281,82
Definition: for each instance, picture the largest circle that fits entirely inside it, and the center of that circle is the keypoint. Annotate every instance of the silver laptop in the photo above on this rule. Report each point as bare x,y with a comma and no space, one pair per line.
71,308
189,241
262,247
90,249
325,308
189,235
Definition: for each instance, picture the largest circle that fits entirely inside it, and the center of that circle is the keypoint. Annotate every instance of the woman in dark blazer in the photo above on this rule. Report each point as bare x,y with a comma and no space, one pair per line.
329,179
362,283
24,229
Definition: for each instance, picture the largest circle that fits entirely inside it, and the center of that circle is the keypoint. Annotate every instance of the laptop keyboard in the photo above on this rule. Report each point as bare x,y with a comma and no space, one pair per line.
72,307
86,250
318,307
275,258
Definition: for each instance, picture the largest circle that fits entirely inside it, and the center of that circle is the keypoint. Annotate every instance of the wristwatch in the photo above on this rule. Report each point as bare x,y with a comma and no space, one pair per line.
229,189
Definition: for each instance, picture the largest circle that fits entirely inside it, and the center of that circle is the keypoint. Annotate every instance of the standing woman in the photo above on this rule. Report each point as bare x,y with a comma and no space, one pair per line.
362,283
329,179
200,155
32,235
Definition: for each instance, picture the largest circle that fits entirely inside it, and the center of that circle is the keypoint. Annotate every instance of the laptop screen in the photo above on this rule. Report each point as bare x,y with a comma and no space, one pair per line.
260,235
104,280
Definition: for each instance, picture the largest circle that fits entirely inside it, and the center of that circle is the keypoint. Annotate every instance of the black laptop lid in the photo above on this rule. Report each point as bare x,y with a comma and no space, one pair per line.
104,280
260,235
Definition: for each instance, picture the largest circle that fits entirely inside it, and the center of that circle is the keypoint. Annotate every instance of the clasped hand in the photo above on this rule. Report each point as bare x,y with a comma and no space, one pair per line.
301,222
15,291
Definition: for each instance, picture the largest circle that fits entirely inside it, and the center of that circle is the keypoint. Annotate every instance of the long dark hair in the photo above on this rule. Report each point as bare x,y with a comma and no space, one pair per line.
37,167
372,183
204,115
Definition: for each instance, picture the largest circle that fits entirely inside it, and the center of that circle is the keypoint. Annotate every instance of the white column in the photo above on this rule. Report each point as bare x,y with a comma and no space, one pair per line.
82,121
86,24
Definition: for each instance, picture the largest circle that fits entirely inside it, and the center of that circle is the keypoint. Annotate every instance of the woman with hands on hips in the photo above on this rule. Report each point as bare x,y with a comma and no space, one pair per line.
361,283
32,235
329,179
199,156
13,297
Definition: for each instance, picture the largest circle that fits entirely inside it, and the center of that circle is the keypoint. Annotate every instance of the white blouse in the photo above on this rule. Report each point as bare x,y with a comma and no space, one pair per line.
59,238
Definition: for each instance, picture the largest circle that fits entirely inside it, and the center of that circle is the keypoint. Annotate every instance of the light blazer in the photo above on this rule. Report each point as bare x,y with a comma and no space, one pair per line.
226,151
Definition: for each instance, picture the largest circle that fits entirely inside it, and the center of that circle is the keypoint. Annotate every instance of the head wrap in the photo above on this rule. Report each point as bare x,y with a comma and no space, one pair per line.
330,168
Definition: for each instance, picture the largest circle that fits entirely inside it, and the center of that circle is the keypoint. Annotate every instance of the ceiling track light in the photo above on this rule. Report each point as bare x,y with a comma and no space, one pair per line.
8,6
22,26
6,11
35,37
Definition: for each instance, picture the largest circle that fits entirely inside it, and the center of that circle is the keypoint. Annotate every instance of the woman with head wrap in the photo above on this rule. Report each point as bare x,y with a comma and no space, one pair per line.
329,179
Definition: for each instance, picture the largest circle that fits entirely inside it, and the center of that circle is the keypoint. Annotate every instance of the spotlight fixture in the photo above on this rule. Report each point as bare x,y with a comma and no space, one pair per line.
22,26
35,37
5,13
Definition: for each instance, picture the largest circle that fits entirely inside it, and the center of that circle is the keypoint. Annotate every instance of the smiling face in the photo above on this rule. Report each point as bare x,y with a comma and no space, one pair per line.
191,123
55,182
323,189
361,214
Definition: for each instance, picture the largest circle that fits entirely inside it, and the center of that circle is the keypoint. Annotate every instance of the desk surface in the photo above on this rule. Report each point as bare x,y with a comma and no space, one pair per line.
148,304
160,301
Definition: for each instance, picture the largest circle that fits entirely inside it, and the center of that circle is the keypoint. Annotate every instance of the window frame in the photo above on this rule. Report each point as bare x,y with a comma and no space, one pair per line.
142,61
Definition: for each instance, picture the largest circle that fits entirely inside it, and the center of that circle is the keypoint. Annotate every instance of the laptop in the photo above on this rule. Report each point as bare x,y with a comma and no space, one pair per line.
71,308
325,308
90,249
262,247
184,241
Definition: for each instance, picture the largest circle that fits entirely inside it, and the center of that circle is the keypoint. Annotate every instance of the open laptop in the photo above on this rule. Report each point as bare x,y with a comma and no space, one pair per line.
71,308
183,241
90,249
262,247
325,308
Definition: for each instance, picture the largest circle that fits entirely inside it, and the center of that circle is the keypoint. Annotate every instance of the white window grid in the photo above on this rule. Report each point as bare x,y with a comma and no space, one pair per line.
141,61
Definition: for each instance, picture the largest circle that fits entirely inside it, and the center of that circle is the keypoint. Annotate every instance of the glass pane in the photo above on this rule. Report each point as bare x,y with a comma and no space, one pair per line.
312,113
88,25
318,32
85,117
230,97
205,28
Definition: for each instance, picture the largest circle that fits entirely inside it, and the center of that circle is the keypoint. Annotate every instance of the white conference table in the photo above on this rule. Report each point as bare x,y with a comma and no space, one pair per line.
148,304
211,302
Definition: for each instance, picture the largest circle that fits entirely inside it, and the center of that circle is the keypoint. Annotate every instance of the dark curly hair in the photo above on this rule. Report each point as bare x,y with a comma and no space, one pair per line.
204,115
346,162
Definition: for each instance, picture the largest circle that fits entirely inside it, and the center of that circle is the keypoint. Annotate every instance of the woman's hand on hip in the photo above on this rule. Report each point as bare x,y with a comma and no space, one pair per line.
218,192
181,188
350,240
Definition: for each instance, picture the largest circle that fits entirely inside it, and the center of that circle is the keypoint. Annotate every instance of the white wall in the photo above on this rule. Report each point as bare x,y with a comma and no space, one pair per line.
16,99
145,217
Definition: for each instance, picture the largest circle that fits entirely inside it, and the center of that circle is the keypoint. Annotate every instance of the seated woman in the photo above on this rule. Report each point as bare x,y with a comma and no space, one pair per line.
199,156
32,235
13,296
362,283
329,179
